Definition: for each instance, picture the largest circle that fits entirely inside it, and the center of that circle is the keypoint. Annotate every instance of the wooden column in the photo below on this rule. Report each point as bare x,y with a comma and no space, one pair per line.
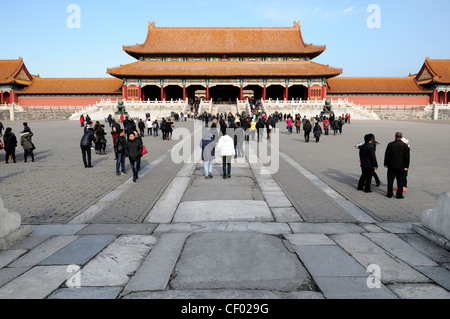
125,92
445,97
184,93
207,92
241,95
264,96
140,92
286,93
324,91
309,92
2,102
163,93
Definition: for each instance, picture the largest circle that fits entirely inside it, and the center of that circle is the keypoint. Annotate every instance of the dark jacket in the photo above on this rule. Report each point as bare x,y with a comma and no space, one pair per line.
88,138
307,127
367,156
397,155
133,149
119,145
10,141
317,131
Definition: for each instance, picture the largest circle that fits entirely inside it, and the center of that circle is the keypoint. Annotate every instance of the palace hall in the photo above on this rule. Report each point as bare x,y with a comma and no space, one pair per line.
224,65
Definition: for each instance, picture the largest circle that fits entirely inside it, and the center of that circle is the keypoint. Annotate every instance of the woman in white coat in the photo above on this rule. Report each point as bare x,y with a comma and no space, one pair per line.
226,148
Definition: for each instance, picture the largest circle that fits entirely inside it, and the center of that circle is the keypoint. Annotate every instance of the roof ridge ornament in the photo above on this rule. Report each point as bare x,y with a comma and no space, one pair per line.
297,24
151,24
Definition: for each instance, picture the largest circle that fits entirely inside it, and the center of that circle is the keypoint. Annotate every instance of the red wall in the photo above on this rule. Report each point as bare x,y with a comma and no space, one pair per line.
62,101
385,100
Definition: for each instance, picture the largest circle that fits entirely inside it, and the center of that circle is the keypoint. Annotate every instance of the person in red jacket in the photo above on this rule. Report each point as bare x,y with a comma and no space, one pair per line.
326,125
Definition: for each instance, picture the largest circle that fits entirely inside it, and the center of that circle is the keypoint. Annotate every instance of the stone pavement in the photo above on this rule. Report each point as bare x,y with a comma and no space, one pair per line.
299,232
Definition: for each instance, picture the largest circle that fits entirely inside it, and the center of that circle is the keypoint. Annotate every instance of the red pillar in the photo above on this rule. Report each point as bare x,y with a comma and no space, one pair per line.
264,96
1,101
207,92
125,92
241,95
324,91
140,92
309,92
445,97
184,93
286,93
12,96
163,93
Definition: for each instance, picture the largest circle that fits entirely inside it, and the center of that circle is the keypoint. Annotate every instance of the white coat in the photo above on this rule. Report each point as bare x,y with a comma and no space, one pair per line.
226,146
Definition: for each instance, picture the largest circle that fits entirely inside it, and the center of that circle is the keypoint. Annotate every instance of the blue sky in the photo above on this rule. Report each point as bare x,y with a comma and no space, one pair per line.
410,31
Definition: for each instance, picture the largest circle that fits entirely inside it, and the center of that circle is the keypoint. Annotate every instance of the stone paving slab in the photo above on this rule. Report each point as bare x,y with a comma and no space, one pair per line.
56,230
351,288
257,227
80,251
8,256
309,239
155,272
37,283
43,251
439,275
286,215
226,294
223,211
118,229
222,192
9,274
220,261
86,293
419,291
117,263
427,247
368,253
325,228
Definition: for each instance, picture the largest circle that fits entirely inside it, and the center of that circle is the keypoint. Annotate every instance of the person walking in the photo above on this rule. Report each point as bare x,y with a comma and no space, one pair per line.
208,153
119,150
369,164
307,127
133,150
82,120
289,125
10,144
317,131
141,126
374,143
27,144
397,161
86,143
297,124
226,147
253,128
149,125
155,127
259,129
326,125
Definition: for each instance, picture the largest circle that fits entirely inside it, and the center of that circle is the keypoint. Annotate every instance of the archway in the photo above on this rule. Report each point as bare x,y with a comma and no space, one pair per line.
174,92
224,93
298,92
275,92
151,92
257,91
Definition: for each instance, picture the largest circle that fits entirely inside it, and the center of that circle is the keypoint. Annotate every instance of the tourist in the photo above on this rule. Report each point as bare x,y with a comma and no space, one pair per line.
10,144
27,144
289,125
88,118
326,125
297,125
155,128
100,140
374,143
122,119
307,127
86,143
226,147
169,129
149,125
115,133
253,128
268,127
162,126
340,124
133,150
405,184
82,120
239,136
335,125
259,129
397,160
208,153
110,120
317,131
119,150
141,126
139,139
369,164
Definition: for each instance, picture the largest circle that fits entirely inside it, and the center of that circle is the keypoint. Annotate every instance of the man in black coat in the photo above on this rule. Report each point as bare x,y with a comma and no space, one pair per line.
368,164
397,160
133,149
86,144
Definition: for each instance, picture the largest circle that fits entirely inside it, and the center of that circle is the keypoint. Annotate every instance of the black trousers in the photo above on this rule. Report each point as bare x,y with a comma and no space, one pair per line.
366,178
86,152
398,174
226,165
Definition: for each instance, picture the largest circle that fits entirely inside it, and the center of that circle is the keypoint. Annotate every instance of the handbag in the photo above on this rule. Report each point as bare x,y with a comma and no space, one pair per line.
144,151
